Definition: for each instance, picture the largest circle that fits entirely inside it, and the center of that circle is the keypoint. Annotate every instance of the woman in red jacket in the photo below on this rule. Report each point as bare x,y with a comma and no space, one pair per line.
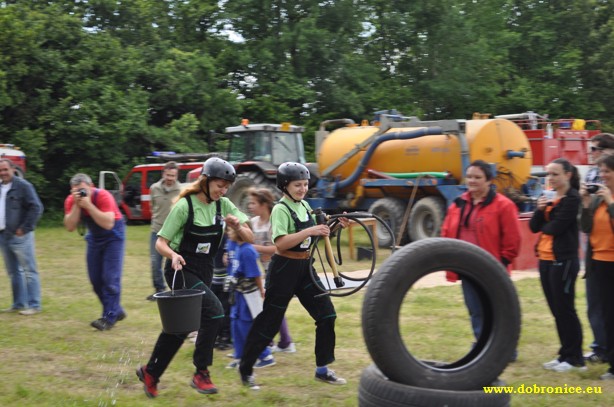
487,219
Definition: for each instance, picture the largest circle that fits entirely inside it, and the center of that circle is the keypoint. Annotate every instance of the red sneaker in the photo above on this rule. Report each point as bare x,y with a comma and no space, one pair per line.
202,382
150,382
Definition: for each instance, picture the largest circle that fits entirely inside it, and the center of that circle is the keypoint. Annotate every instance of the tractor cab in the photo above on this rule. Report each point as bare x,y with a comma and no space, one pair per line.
266,143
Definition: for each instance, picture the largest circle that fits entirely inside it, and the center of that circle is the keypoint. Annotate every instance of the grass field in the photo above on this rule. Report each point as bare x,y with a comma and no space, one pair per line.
56,359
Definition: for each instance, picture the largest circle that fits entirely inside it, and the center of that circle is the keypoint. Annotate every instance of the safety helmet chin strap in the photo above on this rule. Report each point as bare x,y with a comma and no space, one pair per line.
206,191
285,191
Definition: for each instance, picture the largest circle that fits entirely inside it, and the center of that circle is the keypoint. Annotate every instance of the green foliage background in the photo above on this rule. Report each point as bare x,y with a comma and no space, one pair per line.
98,84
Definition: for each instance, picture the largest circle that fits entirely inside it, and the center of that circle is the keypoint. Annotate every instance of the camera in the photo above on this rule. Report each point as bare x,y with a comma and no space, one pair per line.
592,188
82,192
549,194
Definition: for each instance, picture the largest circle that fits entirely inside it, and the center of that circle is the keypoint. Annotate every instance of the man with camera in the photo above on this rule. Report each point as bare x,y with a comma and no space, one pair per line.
98,211
20,210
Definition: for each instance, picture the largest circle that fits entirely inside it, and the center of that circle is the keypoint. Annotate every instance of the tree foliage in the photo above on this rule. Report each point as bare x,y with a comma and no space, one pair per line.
98,84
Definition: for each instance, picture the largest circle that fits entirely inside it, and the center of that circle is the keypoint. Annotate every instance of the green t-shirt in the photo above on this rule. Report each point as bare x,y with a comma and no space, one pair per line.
281,219
204,215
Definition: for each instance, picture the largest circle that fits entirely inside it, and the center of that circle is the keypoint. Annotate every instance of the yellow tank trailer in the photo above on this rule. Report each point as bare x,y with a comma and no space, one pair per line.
408,164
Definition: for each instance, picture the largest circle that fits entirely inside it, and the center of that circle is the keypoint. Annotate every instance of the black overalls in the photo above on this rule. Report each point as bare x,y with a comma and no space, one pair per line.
286,278
198,248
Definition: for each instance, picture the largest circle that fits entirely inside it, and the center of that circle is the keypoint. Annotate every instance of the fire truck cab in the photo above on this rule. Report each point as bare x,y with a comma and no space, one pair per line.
132,193
10,152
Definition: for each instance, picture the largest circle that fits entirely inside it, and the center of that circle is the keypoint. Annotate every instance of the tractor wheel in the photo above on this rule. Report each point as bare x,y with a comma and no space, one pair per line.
391,212
238,191
426,217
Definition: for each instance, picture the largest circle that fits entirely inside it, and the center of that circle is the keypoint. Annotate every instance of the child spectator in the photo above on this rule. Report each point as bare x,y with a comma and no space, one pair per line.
246,293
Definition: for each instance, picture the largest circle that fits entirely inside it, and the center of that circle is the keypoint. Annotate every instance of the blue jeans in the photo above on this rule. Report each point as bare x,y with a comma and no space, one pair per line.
474,305
157,271
20,260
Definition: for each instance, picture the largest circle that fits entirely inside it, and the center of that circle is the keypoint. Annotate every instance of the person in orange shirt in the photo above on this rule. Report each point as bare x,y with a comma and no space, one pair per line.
597,220
559,261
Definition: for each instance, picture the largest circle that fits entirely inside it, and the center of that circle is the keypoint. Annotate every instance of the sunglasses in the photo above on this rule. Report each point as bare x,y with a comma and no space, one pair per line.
593,148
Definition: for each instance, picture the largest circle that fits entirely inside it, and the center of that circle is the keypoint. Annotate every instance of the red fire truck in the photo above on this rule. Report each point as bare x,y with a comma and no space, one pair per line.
9,151
550,139
132,192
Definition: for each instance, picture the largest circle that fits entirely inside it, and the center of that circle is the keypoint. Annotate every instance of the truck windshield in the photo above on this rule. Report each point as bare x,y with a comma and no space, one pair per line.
273,147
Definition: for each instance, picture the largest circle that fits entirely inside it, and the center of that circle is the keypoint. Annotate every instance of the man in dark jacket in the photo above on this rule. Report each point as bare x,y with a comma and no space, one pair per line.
20,210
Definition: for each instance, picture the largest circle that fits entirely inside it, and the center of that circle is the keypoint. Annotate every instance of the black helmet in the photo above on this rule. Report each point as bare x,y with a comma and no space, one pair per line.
217,168
290,171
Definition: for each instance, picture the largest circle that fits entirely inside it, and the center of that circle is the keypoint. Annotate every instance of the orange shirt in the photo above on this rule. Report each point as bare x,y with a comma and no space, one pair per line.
544,245
602,237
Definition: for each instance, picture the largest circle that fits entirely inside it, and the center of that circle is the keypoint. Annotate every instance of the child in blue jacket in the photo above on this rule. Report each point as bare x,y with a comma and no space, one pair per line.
246,296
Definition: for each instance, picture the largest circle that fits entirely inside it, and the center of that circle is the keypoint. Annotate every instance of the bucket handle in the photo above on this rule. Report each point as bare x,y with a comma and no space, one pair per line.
174,276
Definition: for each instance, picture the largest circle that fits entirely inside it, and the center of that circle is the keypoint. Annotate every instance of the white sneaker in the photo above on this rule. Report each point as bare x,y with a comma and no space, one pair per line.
607,376
250,382
552,364
234,364
330,377
29,311
566,367
289,349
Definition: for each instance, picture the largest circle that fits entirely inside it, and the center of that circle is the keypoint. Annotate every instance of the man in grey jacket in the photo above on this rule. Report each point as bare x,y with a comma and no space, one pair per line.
163,194
20,210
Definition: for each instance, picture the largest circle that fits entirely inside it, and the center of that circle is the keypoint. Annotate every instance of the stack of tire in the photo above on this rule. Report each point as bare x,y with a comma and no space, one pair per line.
397,378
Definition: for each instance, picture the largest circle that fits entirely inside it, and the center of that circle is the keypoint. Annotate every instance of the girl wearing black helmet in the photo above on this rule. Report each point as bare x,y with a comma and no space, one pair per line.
292,226
189,239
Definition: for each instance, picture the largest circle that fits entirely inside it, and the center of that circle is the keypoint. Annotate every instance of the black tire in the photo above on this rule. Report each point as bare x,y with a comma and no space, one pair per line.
19,172
501,320
391,211
375,390
426,217
237,193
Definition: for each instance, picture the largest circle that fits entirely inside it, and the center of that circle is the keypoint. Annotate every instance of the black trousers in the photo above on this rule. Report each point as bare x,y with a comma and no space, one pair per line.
558,280
603,275
211,318
286,278
224,332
